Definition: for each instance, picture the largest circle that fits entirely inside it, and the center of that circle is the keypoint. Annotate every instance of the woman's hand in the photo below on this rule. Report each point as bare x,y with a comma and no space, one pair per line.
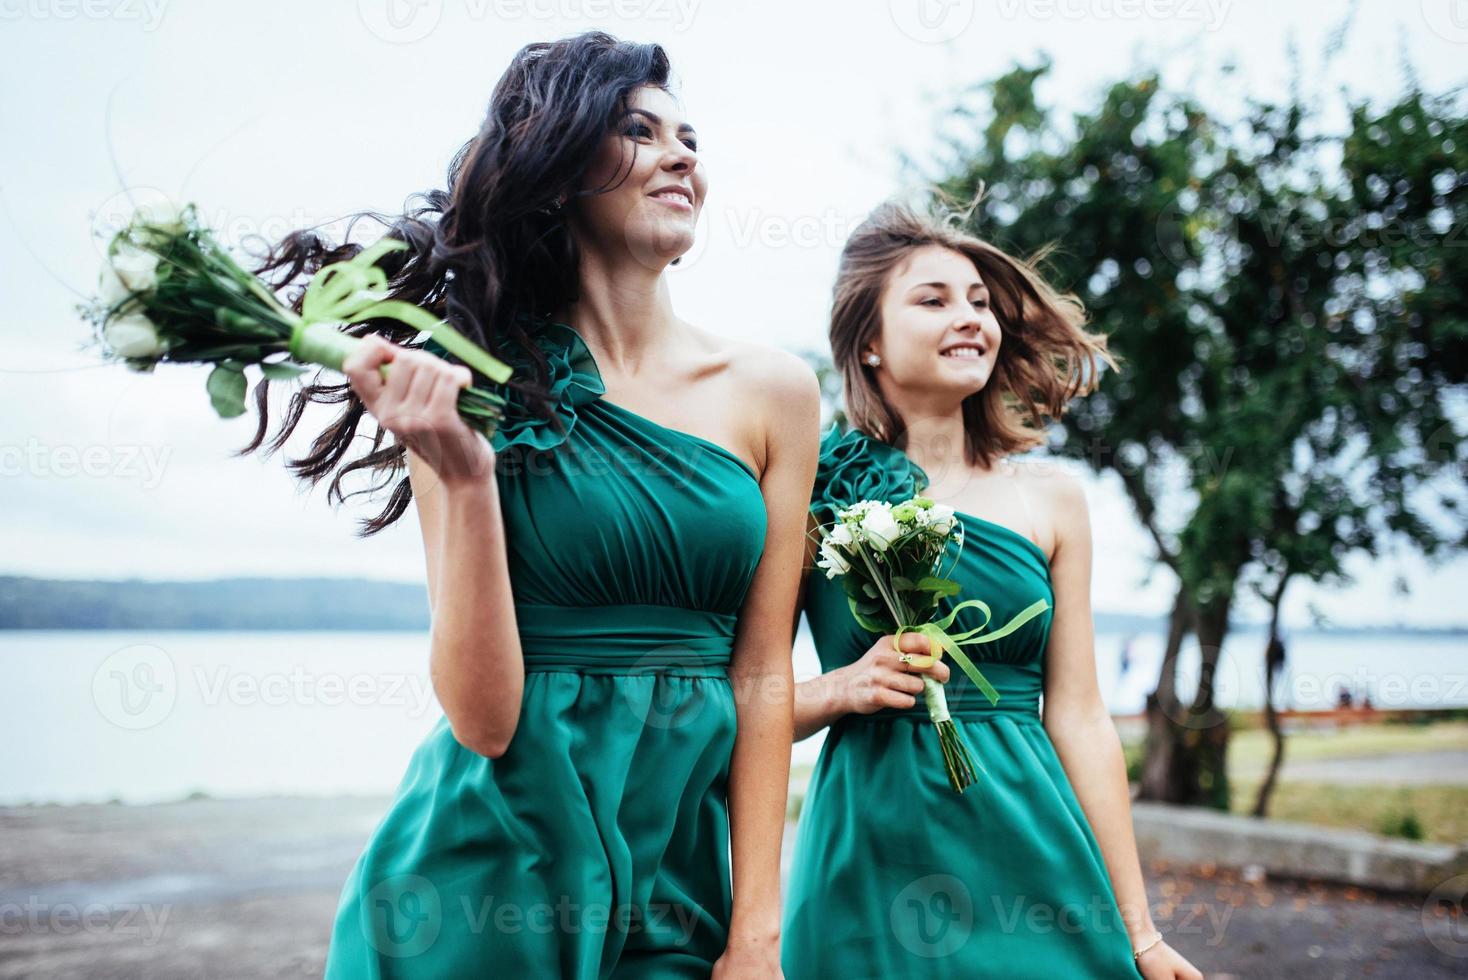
418,403
881,680
1162,962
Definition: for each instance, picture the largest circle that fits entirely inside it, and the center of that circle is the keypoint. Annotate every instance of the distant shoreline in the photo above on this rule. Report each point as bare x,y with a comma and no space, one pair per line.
285,605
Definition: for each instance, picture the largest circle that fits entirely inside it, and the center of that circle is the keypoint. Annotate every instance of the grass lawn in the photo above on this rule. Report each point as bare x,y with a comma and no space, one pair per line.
1434,813
1438,813
1249,750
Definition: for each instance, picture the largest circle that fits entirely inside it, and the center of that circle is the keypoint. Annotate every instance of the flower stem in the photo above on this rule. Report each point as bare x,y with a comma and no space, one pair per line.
958,763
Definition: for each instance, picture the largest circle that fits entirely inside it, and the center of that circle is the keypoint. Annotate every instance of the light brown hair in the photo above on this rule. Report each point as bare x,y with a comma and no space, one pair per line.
1046,357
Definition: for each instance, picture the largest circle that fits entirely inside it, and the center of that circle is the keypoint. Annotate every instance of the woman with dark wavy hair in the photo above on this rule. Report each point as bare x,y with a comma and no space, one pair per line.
612,579
954,354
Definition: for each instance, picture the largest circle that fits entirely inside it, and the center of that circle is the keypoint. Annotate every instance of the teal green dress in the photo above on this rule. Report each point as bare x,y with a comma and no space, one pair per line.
597,845
895,875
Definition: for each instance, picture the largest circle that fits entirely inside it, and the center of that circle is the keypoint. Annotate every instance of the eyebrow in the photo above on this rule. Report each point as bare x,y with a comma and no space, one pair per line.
657,120
943,285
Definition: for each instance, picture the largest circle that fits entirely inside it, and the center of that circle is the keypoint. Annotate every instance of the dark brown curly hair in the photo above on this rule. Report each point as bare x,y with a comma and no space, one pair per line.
491,252
1046,358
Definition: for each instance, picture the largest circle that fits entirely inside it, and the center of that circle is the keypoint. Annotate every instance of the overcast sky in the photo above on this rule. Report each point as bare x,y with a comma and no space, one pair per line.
272,115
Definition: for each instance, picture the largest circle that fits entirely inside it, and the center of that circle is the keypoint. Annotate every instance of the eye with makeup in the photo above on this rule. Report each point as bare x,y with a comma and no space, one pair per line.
637,128
979,302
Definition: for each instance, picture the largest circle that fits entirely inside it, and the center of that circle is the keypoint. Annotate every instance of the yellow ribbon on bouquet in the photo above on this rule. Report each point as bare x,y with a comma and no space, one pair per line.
938,636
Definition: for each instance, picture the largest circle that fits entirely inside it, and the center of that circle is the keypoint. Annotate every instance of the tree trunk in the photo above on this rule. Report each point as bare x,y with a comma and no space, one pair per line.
1162,706
1187,745
1274,661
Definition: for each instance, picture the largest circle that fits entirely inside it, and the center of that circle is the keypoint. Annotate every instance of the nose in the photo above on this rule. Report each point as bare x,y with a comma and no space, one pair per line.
679,159
968,321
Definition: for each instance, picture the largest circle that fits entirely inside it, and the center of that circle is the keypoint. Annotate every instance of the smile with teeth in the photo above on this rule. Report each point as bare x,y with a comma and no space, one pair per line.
963,351
673,196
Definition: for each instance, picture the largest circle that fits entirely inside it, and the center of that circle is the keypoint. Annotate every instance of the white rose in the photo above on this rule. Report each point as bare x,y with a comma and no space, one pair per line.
136,267
880,528
111,290
162,215
133,336
832,561
840,536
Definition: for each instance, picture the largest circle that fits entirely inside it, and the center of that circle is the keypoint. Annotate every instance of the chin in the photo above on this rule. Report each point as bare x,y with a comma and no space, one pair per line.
655,244
972,376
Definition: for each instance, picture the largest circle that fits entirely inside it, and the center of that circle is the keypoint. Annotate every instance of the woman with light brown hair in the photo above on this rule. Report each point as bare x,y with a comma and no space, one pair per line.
954,355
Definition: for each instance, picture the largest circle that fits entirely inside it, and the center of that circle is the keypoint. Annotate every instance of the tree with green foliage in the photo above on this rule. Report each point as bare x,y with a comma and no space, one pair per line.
1287,307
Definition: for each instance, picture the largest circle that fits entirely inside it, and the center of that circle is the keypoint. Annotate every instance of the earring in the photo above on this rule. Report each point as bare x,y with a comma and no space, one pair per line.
555,205
874,359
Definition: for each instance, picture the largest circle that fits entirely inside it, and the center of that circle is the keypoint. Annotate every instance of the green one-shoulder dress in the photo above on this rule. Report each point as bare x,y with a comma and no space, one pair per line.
597,845
894,875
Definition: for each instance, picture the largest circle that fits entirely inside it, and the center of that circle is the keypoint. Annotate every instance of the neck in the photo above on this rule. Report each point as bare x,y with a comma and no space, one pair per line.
936,439
624,310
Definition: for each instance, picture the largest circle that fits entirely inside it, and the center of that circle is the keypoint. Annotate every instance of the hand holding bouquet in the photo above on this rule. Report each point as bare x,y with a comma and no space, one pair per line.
171,293
890,559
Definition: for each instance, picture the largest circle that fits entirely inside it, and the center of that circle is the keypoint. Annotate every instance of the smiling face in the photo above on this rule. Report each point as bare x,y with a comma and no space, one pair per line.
939,331
645,189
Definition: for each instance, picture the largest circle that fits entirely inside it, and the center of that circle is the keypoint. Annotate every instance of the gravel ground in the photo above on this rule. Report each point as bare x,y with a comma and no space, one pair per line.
248,888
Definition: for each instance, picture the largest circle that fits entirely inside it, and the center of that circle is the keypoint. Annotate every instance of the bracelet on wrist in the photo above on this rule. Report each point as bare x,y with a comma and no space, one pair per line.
1137,954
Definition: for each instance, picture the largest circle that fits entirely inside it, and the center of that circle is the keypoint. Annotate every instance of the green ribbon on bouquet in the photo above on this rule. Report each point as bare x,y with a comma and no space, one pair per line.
356,290
938,635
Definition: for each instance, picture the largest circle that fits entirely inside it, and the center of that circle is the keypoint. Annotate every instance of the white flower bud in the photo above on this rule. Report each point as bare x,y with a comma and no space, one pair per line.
133,335
136,267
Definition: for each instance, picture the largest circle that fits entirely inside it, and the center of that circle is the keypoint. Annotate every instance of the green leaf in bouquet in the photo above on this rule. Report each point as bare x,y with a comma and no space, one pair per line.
902,583
939,586
282,370
226,387
868,623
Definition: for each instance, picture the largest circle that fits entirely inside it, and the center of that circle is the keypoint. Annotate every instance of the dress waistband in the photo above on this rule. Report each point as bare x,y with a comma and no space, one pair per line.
626,639
1019,687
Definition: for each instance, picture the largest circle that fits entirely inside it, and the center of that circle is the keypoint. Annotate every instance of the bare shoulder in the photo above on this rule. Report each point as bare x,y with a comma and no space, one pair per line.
1052,478
1060,495
764,374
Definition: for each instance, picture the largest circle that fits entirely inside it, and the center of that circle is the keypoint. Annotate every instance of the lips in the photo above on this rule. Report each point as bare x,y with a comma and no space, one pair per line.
676,196
963,351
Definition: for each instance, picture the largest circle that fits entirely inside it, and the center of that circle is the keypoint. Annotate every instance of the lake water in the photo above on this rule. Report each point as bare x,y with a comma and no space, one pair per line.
150,716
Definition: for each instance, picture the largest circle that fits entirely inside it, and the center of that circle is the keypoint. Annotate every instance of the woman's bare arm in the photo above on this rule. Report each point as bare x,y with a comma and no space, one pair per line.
475,660
1080,726
760,672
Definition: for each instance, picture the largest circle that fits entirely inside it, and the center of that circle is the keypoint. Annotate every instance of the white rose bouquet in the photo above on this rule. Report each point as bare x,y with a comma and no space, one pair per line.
169,292
890,558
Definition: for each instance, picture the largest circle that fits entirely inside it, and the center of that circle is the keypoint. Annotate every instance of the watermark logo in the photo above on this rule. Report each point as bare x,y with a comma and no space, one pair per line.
933,916
932,21
400,21
1448,19
404,915
148,13
1445,916
136,687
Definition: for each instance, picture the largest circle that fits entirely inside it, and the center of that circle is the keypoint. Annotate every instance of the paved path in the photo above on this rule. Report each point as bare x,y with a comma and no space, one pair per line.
1445,766
248,888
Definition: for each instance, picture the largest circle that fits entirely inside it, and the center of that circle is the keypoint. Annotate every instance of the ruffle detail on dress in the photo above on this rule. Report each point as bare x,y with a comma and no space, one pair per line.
853,466
574,381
